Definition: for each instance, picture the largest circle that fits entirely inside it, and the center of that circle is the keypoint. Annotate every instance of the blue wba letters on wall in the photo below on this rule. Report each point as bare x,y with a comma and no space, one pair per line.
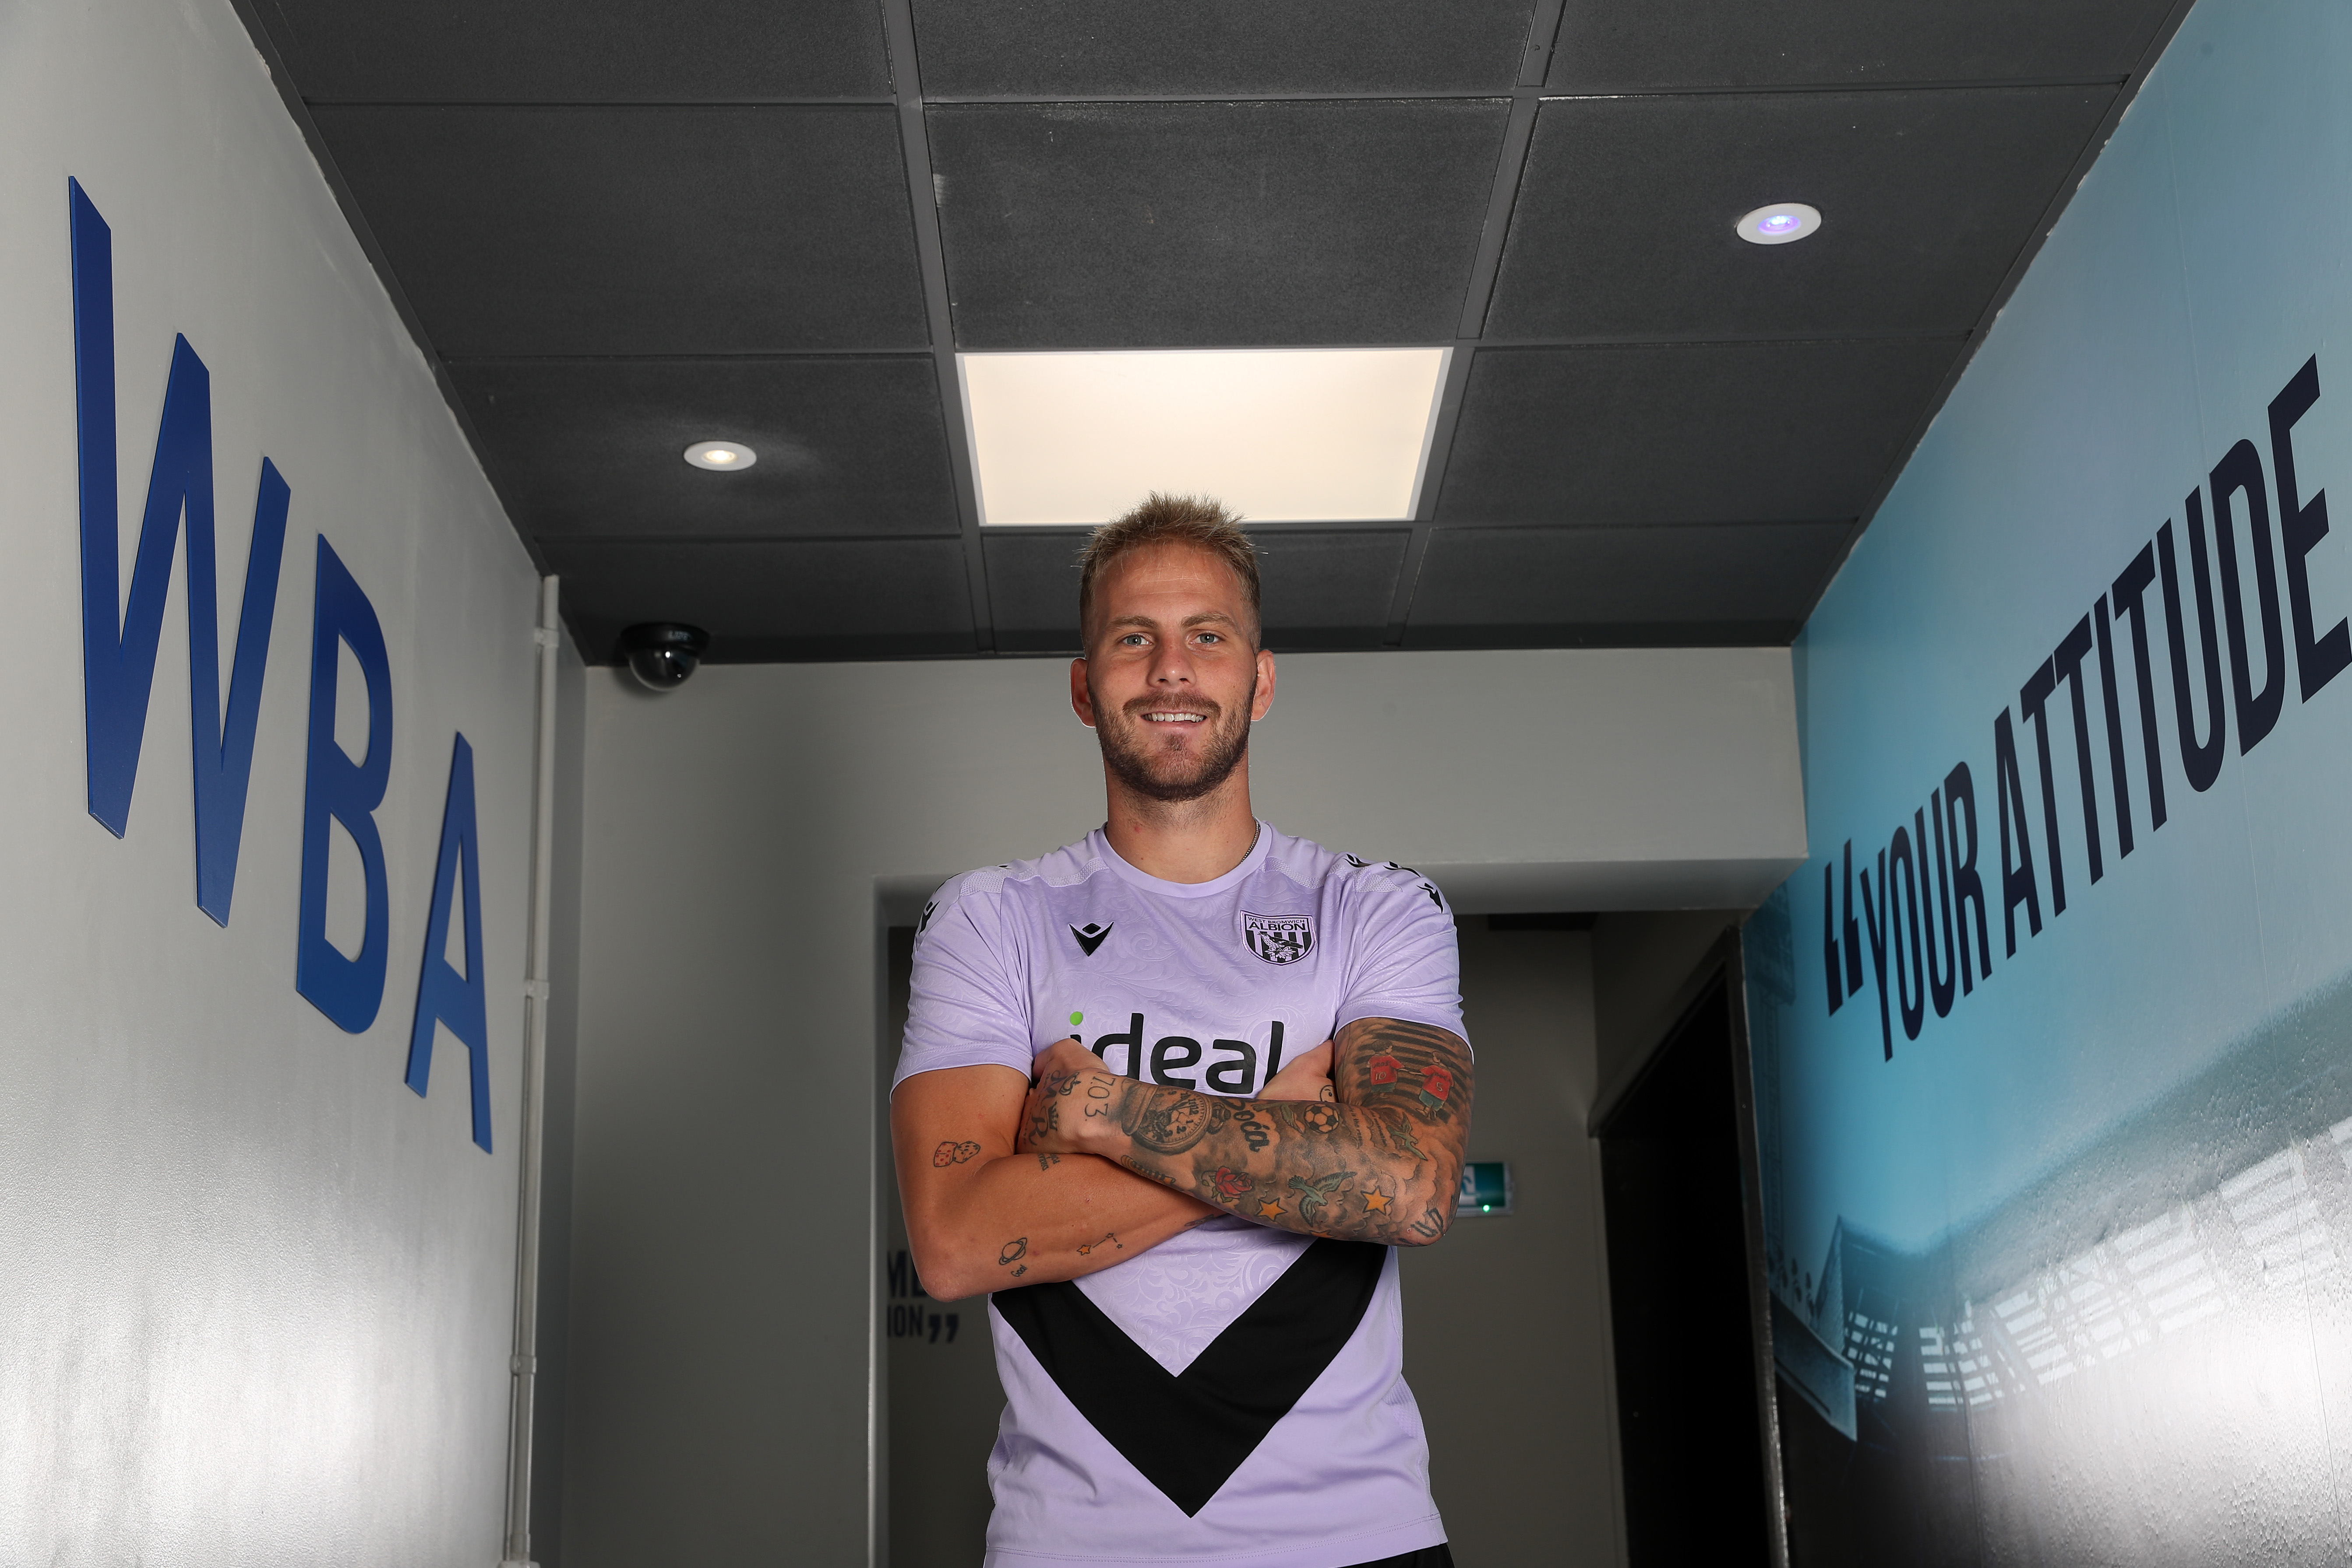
119,654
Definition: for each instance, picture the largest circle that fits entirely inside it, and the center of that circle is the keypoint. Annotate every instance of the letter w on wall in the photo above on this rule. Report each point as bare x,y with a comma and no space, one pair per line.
119,655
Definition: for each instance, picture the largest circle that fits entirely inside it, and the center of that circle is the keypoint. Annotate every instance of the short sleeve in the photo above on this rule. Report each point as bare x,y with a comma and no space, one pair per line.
966,1007
1403,963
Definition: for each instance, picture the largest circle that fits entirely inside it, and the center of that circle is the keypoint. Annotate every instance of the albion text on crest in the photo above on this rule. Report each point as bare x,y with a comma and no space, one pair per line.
1279,939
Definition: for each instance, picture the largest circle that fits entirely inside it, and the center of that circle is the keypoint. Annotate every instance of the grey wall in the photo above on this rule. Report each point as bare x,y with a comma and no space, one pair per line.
551,1404
944,1396
1507,1320
1640,960
256,1294
739,834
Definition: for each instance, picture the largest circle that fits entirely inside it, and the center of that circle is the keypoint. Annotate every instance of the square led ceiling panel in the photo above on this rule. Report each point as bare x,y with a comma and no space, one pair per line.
1278,435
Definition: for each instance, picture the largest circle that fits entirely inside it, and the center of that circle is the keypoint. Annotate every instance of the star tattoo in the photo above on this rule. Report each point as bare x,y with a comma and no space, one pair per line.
1376,1202
1268,1209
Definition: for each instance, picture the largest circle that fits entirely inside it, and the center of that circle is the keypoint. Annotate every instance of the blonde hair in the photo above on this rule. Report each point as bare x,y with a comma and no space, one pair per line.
1196,520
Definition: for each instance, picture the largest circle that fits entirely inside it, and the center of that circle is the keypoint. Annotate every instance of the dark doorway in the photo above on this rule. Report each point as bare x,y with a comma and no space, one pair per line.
1672,1162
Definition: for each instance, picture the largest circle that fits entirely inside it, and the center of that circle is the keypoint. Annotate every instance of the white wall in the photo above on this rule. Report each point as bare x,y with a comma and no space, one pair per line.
254,1294
725,1284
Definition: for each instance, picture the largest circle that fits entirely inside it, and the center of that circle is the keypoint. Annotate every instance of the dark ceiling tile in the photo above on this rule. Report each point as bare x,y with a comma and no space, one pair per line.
1221,48
773,600
648,231
595,446
1534,587
1033,589
1169,224
524,51
1686,432
1322,588
1329,588
1630,45
1624,224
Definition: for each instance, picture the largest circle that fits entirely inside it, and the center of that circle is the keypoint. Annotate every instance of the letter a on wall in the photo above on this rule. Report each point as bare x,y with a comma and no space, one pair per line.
443,996
337,789
117,656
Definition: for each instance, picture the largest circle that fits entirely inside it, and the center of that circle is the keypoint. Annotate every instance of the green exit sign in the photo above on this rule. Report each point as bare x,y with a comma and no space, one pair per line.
1486,1188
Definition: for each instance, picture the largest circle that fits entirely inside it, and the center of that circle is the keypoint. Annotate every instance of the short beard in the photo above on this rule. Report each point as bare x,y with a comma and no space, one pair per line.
1127,754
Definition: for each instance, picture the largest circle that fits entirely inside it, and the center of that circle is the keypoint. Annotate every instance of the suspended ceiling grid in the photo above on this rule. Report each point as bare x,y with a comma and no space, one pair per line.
619,227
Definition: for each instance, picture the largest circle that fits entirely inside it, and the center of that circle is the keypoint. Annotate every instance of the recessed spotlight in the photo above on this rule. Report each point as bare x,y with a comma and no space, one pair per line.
721,457
1779,223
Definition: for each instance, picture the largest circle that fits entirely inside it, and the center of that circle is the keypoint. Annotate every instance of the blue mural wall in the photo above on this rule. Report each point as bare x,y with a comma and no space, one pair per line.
2053,1034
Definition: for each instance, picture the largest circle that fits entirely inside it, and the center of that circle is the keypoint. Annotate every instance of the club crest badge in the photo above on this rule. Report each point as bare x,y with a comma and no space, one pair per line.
1279,939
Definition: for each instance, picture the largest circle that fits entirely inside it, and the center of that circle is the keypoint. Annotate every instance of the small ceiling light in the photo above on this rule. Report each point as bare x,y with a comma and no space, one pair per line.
1779,223
721,456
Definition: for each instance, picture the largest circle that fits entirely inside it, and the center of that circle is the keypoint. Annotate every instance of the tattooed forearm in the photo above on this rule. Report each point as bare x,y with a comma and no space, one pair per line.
1379,1163
1327,1170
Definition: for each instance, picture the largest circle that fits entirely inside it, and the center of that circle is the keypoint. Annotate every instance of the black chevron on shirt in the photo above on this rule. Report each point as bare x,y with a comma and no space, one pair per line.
1188,1432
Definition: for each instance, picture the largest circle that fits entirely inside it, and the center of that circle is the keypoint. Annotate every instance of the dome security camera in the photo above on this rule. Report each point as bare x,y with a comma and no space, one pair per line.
663,654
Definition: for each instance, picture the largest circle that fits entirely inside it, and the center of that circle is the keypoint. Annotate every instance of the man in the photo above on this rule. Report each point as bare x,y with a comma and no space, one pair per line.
1104,1114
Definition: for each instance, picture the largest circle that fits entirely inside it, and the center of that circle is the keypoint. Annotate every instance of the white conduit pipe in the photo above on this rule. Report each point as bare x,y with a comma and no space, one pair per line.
524,1365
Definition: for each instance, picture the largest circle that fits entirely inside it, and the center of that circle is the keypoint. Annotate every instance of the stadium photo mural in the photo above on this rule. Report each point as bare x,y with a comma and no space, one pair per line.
2052,1034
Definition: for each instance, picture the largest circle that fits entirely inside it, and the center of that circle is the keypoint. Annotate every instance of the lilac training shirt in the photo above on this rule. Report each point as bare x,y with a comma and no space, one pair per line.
1210,986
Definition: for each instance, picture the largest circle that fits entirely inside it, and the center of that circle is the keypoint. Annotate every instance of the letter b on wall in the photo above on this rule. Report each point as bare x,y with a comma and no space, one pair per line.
337,789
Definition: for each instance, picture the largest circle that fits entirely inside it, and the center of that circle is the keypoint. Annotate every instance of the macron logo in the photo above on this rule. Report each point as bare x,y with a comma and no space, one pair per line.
1090,937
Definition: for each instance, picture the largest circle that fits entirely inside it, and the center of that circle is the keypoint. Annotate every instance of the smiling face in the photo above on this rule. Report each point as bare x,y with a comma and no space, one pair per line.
1172,676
